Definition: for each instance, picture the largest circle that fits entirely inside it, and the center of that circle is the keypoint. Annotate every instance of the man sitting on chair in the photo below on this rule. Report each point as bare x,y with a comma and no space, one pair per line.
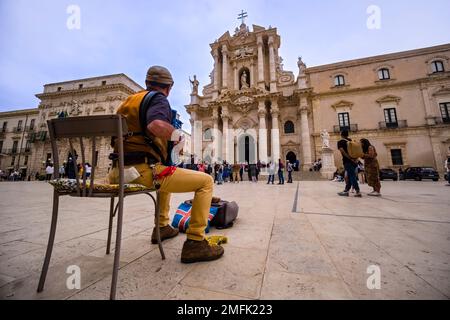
149,153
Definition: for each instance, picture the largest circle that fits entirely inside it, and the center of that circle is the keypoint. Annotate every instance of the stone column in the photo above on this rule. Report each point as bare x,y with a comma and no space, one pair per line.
273,84
197,137
262,132
260,62
275,134
192,134
224,66
226,138
306,137
216,69
236,77
252,75
429,114
216,134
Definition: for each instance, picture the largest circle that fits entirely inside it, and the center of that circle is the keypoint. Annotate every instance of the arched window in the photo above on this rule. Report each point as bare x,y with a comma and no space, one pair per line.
289,127
383,74
207,135
339,81
437,66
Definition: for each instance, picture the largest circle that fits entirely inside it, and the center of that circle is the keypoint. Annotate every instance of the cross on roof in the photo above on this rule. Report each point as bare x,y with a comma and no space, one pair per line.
242,16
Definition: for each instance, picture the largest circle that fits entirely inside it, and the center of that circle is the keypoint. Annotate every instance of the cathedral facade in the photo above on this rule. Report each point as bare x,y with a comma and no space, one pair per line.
255,110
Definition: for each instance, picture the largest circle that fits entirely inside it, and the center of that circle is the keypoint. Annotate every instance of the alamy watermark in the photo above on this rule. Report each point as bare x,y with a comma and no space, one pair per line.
74,19
374,19
73,282
374,280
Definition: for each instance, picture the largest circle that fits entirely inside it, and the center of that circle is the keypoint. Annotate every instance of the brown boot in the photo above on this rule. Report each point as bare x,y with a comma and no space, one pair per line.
166,232
196,251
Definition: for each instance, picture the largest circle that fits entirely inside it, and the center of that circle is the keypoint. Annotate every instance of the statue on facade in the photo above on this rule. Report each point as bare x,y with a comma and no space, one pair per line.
195,83
76,108
301,66
244,83
325,139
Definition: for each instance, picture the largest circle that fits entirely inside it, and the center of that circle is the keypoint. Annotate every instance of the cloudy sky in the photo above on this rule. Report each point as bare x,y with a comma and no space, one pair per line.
127,36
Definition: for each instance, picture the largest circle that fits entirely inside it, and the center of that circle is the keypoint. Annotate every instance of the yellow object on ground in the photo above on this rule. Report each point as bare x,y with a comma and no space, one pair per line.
217,240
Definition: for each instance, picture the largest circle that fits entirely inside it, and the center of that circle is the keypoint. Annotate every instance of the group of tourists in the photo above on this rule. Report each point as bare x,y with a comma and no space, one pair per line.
353,166
225,172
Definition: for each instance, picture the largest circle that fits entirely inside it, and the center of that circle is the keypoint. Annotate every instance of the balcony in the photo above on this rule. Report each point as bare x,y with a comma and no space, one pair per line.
26,151
37,136
393,125
351,128
18,129
443,120
11,152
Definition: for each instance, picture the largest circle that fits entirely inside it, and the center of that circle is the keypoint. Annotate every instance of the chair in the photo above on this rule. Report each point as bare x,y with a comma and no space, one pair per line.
92,127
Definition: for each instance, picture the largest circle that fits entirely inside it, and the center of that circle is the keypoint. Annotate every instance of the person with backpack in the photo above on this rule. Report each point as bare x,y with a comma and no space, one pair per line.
289,170
149,117
347,146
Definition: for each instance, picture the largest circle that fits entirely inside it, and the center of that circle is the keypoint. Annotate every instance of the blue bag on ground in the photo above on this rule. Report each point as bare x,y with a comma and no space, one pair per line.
183,217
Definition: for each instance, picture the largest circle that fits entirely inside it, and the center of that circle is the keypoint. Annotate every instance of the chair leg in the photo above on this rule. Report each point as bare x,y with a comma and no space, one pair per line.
117,250
111,216
51,241
157,214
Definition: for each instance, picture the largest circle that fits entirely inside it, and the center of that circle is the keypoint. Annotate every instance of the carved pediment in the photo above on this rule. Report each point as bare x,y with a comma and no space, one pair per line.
99,109
443,91
244,100
245,124
389,98
342,104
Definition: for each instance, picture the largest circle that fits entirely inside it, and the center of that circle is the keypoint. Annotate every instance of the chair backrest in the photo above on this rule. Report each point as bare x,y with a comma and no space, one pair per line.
91,127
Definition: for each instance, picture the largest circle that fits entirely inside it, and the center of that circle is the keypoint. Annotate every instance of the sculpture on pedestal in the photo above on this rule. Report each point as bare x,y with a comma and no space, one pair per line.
244,83
301,67
325,139
195,83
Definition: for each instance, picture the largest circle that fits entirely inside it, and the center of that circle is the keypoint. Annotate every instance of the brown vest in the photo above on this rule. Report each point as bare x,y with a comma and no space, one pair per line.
137,143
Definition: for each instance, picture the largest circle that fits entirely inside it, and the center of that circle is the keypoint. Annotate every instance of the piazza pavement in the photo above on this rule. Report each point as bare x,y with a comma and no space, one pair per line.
297,241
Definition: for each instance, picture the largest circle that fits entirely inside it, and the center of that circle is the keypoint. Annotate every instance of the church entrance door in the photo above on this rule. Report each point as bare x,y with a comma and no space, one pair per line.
292,158
247,149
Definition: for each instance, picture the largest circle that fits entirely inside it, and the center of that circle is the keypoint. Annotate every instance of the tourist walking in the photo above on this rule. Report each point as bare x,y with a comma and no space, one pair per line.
447,168
371,167
271,173
88,169
220,174
350,166
280,172
49,172
236,169
290,168
253,169
62,171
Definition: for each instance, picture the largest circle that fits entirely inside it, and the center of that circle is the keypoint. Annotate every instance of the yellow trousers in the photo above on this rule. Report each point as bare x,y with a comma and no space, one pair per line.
181,181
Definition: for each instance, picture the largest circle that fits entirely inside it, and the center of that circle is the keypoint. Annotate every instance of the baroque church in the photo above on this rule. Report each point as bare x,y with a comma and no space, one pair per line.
255,110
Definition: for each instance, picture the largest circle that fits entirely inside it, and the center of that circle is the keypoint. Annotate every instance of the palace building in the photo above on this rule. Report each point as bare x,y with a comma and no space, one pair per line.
24,140
255,110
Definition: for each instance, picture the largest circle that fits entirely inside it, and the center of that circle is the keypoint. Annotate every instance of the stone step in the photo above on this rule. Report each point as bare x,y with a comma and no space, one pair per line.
307,176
